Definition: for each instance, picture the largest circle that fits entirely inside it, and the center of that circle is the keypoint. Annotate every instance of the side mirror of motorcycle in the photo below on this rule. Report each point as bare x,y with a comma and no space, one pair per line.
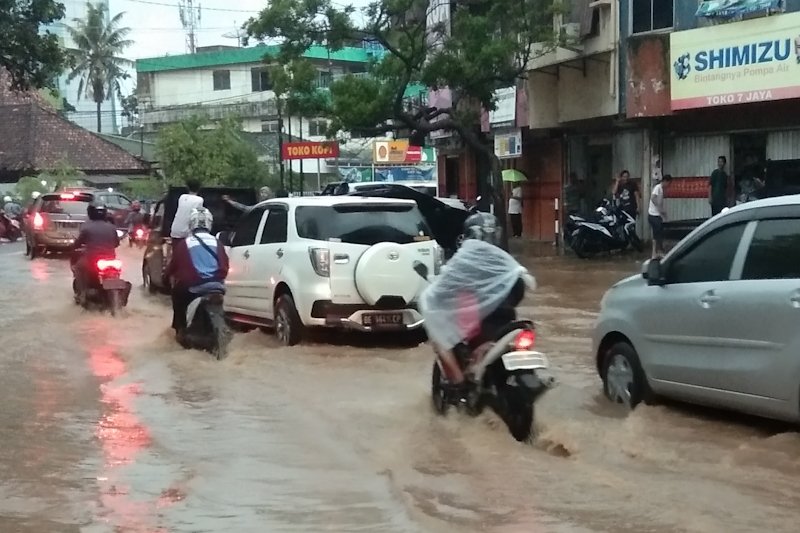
653,272
421,269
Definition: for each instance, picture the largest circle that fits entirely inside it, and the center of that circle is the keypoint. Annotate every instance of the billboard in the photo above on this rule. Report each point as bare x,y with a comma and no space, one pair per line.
309,150
750,61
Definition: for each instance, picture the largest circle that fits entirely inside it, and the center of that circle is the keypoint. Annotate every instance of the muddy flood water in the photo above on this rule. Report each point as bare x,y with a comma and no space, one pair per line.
108,426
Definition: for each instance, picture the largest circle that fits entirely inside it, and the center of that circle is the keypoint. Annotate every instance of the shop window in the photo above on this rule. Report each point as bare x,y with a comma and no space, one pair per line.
270,126
260,81
650,15
222,80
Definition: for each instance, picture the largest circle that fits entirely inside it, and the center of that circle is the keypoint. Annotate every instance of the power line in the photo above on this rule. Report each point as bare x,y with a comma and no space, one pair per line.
223,9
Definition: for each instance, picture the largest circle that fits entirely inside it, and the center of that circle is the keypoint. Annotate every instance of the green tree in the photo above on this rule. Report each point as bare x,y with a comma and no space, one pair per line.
96,58
213,153
150,188
130,107
32,57
485,45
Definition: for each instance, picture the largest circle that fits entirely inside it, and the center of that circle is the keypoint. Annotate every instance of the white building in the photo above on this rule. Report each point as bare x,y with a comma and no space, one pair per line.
85,114
221,81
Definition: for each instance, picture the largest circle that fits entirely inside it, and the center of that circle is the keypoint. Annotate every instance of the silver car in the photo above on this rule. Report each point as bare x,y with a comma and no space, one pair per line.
716,321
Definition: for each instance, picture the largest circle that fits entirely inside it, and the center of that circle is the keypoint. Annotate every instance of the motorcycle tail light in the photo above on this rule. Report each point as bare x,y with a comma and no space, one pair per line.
140,233
109,264
38,221
525,340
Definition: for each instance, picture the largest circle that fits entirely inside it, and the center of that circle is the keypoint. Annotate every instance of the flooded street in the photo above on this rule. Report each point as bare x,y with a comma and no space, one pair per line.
109,426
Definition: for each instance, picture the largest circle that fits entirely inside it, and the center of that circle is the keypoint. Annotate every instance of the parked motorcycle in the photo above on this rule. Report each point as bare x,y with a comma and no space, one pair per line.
611,229
138,237
508,378
207,329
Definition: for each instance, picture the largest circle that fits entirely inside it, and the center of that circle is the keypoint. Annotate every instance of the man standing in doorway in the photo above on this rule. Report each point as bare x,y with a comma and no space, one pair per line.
515,210
718,187
656,215
627,194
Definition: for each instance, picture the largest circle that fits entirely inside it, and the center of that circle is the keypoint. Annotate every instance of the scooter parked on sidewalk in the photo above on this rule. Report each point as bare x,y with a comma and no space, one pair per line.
613,229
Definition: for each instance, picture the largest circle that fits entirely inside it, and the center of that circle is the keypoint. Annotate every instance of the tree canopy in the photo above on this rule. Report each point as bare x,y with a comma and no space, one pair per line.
33,58
97,58
214,153
482,46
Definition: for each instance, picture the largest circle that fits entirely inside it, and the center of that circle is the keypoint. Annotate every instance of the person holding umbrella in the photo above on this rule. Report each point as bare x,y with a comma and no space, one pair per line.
515,177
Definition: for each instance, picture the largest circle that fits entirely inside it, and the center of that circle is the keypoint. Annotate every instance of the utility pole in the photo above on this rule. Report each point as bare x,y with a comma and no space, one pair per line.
190,20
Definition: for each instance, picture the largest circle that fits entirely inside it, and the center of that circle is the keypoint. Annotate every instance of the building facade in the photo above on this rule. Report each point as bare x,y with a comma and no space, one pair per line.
220,82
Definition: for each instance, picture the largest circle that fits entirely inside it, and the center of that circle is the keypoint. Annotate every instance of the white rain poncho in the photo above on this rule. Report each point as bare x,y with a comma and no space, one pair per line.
472,285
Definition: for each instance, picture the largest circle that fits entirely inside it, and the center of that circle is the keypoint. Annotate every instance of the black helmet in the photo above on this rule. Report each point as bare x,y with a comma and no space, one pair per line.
484,227
97,211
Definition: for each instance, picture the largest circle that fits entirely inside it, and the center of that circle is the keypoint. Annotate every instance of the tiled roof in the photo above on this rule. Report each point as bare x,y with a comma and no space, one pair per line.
34,137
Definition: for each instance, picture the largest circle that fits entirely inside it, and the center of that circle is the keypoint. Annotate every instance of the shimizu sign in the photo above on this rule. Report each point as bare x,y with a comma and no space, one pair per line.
310,150
739,63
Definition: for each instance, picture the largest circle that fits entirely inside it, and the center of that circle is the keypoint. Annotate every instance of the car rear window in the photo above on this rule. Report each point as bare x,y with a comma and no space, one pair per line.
58,205
362,223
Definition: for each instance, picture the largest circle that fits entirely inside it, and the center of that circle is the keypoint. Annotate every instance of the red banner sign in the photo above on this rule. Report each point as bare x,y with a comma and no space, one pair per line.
309,150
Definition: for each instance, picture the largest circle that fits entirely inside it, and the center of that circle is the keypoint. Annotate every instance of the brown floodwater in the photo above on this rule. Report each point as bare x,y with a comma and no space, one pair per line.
108,426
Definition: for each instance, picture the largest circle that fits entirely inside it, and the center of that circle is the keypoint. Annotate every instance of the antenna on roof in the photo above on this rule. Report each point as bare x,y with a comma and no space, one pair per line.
238,33
190,20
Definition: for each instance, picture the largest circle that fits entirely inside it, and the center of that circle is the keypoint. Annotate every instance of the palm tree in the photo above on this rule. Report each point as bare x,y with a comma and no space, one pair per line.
96,56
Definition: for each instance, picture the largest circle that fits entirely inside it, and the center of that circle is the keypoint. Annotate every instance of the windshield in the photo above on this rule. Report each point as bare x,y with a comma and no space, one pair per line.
362,224
57,205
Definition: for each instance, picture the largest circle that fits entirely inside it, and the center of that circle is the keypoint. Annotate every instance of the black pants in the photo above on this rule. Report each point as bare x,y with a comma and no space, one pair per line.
516,225
181,298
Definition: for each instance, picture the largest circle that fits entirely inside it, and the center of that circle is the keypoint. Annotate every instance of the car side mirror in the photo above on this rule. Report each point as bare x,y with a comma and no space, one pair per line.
225,237
421,269
653,272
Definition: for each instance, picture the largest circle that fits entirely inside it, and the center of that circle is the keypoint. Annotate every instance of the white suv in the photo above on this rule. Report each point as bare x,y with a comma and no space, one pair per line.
328,261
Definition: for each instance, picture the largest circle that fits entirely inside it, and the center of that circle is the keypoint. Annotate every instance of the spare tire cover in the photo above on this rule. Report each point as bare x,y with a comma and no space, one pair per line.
386,269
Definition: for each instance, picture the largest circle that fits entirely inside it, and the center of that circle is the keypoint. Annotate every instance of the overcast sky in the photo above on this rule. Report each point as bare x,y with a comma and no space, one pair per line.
156,25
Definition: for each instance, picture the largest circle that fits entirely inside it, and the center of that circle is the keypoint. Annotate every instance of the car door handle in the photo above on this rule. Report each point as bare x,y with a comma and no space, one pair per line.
709,298
279,253
247,254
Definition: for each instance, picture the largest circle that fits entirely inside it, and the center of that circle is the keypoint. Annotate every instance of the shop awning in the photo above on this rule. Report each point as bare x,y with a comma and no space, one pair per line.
735,8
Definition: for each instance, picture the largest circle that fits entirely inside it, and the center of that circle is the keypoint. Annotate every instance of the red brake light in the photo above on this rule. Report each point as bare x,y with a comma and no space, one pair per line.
525,340
140,232
109,264
67,196
38,221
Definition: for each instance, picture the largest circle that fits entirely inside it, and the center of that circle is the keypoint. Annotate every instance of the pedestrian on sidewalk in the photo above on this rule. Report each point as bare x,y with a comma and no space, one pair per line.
515,210
627,194
718,187
657,215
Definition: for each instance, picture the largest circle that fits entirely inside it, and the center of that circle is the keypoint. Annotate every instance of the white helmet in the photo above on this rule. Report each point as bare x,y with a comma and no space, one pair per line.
201,218
264,193
35,194
6,199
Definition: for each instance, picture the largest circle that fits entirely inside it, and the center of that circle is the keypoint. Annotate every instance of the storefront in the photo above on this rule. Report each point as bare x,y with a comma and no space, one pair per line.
724,90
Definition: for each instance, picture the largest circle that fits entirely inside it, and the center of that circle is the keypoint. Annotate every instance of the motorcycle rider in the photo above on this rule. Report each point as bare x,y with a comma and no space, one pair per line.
11,208
482,284
98,239
135,217
197,262
264,193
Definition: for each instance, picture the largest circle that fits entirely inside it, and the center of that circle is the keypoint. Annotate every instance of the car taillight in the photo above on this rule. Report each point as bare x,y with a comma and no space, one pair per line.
525,340
321,261
38,221
109,264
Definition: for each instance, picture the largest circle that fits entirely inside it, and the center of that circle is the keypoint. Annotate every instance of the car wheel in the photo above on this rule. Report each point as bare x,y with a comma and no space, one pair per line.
288,327
624,380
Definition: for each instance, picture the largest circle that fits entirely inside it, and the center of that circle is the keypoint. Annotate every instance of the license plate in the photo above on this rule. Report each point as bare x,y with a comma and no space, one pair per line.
382,319
524,361
113,284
